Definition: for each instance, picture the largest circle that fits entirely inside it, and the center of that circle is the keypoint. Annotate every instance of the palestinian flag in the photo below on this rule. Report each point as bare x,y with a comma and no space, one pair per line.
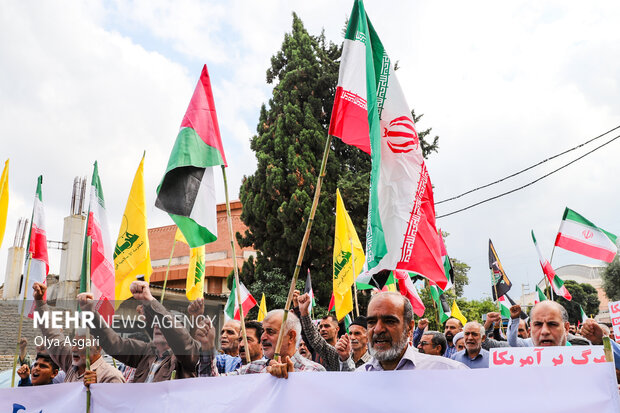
101,253
579,235
347,322
584,317
187,190
406,287
541,295
332,304
504,306
370,112
501,283
556,282
37,265
441,303
308,290
231,310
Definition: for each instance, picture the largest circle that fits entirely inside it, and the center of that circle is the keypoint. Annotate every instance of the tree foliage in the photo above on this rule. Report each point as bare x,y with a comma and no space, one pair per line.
611,280
289,141
583,294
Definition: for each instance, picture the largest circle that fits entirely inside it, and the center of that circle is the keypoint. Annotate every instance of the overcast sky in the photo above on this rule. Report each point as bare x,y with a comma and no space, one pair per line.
503,84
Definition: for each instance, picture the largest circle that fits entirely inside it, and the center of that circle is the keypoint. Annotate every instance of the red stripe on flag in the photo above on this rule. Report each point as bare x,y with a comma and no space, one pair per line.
349,120
582,248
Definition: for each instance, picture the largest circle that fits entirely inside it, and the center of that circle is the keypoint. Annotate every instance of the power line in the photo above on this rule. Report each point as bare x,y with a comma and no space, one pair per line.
530,183
528,168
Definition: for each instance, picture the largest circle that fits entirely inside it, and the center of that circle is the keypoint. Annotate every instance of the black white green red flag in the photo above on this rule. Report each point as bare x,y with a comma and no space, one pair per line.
187,190
501,283
556,282
577,234
370,112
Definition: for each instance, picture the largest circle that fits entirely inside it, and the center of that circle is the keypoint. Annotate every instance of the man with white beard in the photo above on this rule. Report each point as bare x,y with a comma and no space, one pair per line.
390,321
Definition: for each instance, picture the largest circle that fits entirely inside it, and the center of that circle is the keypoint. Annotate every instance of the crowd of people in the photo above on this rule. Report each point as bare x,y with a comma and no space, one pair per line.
387,338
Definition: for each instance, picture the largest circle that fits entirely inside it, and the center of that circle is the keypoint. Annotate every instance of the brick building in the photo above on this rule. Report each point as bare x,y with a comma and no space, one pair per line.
218,254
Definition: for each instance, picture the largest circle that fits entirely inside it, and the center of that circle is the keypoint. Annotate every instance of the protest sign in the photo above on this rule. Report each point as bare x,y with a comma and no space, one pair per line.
546,356
614,314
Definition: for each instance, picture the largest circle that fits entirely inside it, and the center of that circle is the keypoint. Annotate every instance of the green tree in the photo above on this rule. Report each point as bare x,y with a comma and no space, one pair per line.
584,295
460,270
611,280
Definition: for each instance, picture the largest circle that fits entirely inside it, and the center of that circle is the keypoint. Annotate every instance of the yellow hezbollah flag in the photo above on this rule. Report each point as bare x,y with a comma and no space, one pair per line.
195,283
456,313
262,309
4,199
132,257
348,259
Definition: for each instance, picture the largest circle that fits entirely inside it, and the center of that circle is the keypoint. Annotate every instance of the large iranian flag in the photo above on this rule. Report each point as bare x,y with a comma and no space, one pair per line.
101,261
187,190
579,235
231,309
37,265
370,112
556,282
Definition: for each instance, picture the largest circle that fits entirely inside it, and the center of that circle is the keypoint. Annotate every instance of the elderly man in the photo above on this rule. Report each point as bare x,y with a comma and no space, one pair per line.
433,343
72,358
324,341
549,324
459,342
43,371
292,360
172,347
474,356
359,341
390,322
452,327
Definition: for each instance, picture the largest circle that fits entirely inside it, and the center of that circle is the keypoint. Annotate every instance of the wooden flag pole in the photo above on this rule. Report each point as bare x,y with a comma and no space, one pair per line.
89,241
357,308
235,268
21,319
163,291
304,243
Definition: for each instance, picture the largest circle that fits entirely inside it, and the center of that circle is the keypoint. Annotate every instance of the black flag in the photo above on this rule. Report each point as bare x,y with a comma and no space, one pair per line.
501,283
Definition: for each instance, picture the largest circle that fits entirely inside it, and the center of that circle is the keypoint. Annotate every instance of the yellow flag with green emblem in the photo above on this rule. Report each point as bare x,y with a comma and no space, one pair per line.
348,259
262,309
132,256
194,286
456,313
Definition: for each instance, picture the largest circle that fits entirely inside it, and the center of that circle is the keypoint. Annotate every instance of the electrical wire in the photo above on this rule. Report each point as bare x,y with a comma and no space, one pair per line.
529,183
528,168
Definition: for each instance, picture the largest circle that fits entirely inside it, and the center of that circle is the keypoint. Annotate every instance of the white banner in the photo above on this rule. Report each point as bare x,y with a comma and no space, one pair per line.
545,389
614,314
546,356
53,398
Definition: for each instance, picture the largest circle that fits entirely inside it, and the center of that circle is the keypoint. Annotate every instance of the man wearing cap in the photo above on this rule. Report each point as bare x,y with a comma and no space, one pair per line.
359,341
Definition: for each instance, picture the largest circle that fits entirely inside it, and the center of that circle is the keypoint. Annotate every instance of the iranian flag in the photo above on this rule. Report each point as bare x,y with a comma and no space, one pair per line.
37,265
579,235
370,112
556,282
187,190
584,317
540,296
406,287
231,310
101,261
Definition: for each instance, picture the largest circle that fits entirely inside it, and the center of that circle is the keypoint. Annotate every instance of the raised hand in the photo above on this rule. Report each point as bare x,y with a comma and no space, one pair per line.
304,304
196,307
39,291
343,347
281,370
141,291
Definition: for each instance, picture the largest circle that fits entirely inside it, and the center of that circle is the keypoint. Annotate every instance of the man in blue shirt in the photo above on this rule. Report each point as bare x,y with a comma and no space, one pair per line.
474,356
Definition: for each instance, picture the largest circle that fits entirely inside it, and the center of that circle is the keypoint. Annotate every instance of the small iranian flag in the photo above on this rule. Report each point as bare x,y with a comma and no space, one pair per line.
231,310
579,235
370,112
187,190
584,317
406,287
540,295
37,265
556,282
504,306
101,261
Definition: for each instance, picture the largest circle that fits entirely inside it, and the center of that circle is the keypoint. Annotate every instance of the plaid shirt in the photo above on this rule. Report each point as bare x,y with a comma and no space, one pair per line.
329,354
259,366
226,363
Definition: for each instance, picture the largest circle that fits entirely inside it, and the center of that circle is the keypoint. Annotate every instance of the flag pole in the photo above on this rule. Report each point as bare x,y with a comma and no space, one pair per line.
163,291
235,268
357,308
304,243
428,284
89,241
499,308
21,318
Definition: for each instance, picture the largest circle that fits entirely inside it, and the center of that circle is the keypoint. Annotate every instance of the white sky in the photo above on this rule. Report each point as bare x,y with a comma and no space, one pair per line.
504,85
